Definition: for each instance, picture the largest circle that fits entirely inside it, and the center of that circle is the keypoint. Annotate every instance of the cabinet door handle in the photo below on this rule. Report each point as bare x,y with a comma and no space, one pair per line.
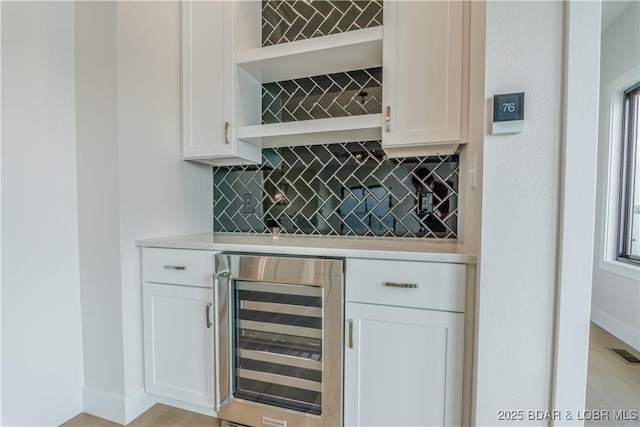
350,333
207,315
226,132
401,285
175,267
388,119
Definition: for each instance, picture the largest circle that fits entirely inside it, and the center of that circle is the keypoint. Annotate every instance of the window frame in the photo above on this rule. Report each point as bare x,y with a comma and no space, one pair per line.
629,170
609,163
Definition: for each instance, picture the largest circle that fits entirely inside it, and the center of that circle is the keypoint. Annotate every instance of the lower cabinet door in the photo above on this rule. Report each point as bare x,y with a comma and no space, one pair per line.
178,342
403,366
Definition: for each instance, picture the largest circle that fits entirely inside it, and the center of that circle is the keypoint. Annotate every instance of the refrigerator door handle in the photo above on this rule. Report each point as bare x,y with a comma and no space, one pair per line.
222,339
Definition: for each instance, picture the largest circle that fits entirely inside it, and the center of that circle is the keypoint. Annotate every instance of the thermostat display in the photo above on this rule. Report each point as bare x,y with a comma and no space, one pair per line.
508,113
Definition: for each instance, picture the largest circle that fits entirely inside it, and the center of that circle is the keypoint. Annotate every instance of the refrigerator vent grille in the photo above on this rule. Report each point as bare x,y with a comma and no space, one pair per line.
226,423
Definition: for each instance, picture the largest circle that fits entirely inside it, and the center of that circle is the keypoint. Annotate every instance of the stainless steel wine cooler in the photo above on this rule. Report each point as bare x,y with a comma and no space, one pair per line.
279,340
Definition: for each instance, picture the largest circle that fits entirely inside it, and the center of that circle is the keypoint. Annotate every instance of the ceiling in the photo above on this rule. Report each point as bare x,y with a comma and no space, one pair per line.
611,9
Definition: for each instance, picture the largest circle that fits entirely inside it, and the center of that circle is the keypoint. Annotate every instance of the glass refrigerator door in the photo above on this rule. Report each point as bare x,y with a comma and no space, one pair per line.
277,345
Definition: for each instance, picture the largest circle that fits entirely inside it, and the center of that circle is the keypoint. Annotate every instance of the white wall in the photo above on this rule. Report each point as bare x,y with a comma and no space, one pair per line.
616,289
134,183
0,218
517,270
41,322
159,193
578,200
98,196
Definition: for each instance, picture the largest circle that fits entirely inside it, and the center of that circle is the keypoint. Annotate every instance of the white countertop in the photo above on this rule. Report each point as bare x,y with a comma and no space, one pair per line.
353,247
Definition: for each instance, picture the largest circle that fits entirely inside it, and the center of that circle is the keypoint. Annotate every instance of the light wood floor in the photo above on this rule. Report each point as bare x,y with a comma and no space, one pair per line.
158,416
612,384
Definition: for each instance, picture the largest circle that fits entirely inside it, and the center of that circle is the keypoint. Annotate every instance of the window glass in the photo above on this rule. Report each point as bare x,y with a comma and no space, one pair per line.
629,242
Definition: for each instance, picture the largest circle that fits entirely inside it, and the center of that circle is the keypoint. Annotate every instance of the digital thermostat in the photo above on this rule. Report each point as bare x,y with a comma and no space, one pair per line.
508,113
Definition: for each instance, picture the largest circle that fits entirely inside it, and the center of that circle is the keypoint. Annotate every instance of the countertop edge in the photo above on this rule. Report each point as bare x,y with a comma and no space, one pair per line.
431,256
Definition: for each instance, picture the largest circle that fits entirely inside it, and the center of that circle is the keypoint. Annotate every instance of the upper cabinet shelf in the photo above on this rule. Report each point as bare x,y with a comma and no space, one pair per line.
307,132
352,50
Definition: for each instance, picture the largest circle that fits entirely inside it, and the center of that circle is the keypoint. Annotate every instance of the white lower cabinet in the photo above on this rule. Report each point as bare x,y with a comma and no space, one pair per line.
404,336
403,365
178,339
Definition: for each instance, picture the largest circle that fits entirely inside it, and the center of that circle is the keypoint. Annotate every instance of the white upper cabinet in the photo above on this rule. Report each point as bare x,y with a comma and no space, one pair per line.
424,74
208,74
422,48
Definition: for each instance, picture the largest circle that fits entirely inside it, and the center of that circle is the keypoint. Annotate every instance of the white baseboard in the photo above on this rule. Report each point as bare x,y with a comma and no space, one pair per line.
114,407
137,403
103,404
615,327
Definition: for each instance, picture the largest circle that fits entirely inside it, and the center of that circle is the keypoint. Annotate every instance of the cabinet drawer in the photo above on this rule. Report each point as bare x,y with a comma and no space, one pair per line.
438,286
177,266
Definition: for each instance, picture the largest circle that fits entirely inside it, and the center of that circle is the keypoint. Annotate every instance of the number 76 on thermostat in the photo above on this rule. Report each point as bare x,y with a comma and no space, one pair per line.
508,113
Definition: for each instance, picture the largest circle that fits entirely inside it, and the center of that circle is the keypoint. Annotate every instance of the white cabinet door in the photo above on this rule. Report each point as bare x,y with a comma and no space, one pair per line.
403,366
423,72
208,128
178,342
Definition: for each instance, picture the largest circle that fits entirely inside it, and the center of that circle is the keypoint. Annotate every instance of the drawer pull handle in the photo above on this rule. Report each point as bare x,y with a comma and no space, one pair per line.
207,310
350,333
175,267
401,285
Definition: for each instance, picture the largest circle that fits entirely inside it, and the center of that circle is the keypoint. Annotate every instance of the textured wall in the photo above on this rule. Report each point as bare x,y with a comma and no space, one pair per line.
520,213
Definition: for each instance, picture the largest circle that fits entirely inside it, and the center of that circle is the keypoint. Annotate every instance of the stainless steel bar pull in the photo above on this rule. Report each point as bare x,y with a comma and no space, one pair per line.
388,119
350,333
221,331
226,132
207,311
401,285
175,267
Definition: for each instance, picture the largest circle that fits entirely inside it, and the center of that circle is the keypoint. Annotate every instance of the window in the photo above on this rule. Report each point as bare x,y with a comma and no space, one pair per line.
629,225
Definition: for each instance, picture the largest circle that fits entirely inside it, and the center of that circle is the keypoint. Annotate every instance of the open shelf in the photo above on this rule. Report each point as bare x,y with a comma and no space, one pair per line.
352,50
321,131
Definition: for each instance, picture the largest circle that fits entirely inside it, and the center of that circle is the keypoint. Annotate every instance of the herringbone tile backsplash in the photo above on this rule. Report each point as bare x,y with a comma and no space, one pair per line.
287,21
349,189
351,93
